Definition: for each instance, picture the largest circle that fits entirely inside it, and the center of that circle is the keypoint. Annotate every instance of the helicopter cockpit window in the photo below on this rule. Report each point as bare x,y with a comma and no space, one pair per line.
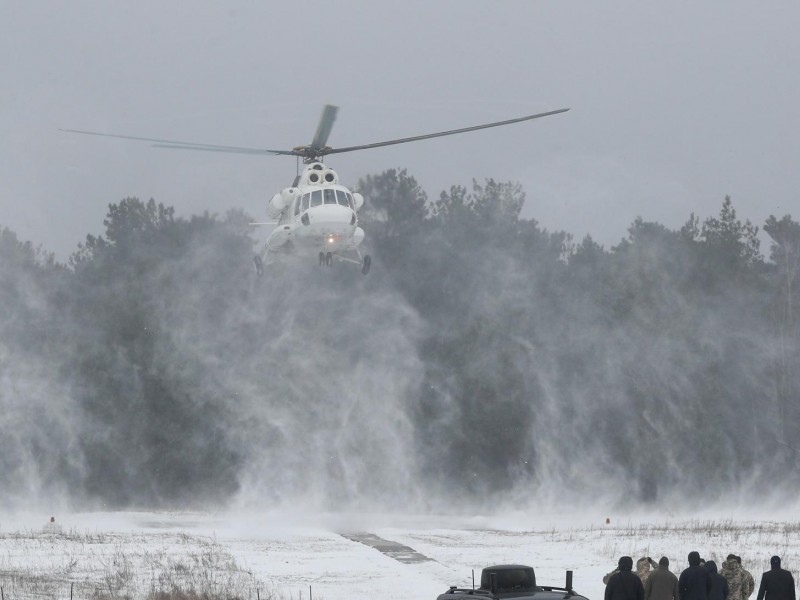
316,197
301,204
343,198
330,196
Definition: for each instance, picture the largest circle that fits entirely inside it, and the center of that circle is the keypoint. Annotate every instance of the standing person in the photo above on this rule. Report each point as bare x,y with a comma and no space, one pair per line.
662,584
694,582
733,572
719,585
643,568
777,583
748,583
624,585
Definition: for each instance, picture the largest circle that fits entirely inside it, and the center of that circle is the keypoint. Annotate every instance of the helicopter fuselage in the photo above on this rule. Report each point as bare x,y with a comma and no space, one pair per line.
309,226
315,216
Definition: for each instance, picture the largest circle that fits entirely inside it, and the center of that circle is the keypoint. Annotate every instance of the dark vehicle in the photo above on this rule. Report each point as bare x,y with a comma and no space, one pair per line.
512,581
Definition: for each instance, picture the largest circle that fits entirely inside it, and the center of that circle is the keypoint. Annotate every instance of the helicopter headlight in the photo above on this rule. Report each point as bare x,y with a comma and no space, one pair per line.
331,239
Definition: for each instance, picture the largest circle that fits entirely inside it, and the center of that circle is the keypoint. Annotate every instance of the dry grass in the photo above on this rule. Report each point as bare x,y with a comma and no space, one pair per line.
755,542
112,566
190,595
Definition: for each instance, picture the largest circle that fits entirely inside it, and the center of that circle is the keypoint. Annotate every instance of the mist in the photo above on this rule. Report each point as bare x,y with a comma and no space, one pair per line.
485,364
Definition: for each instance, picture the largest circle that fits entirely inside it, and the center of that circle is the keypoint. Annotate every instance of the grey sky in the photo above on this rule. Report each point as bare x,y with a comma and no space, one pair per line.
674,104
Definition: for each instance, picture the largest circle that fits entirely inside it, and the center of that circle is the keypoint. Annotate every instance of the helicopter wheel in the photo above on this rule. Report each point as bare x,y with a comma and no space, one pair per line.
328,259
321,259
259,264
367,264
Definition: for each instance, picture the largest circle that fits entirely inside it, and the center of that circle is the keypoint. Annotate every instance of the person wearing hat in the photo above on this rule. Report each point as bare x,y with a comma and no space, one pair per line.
719,585
694,582
733,572
643,568
777,583
624,585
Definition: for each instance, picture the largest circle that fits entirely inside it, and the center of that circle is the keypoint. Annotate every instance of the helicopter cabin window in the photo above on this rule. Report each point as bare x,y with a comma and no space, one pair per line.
316,197
343,198
330,196
304,202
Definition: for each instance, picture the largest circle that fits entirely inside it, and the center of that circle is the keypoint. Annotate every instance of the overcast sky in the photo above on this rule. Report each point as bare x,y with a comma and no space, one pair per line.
673,104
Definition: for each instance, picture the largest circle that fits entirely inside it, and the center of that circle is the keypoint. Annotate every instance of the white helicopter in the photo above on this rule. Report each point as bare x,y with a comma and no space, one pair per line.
317,216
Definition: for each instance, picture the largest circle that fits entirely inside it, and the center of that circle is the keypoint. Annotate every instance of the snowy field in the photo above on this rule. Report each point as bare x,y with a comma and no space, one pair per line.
118,555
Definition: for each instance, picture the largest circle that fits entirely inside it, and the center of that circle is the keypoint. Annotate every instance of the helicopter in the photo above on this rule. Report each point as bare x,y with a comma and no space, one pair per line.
316,217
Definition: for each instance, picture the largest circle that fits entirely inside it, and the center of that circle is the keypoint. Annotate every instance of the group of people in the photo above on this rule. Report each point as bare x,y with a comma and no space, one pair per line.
700,581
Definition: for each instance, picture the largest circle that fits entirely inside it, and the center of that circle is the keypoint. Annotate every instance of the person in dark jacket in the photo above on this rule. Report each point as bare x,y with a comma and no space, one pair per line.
719,585
662,584
626,584
695,582
777,583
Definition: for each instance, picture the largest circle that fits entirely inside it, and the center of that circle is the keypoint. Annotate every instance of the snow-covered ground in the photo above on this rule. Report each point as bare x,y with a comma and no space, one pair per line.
289,555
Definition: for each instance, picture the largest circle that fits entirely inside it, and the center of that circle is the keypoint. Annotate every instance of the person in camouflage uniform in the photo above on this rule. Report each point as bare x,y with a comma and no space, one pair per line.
732,571
643,567
749,585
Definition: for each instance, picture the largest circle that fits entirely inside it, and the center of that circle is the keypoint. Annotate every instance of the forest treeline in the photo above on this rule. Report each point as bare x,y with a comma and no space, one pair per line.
484,361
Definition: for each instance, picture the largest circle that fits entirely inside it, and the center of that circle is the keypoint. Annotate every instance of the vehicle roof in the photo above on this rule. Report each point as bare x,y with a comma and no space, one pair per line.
540,593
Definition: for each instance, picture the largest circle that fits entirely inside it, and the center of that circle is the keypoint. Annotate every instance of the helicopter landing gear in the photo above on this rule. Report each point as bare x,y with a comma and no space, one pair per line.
259,265
366,264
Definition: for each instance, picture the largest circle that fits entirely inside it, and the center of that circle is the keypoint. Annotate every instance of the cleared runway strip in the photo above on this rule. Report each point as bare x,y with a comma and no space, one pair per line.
394,550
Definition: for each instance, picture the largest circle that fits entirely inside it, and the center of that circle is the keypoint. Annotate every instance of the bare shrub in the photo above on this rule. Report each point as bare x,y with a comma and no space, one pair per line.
114,566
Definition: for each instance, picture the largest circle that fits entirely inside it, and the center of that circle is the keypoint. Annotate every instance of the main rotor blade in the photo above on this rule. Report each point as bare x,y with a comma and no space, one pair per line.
159,143
443,133
229,149
325,126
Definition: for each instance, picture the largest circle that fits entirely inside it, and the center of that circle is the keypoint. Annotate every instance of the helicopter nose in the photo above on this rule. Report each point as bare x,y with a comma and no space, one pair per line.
330,213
